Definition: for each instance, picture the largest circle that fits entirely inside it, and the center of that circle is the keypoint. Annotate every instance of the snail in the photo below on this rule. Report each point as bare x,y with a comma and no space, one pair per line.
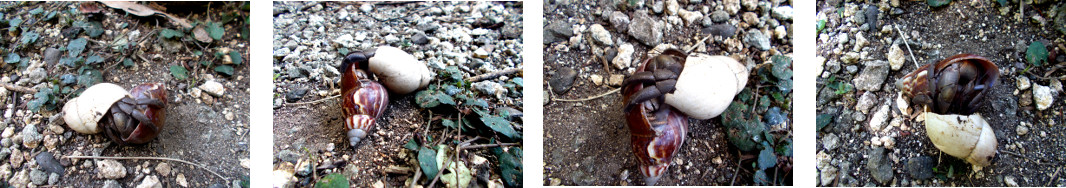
952,90
364,100
966,137
956,85
667,89
134,117
399,71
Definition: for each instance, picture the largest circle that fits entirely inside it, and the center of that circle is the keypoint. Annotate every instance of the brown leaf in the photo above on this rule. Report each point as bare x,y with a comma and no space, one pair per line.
141,10
201,34
89,8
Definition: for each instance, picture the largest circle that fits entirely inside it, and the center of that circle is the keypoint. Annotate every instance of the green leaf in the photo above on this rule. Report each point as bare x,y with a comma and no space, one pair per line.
510,166
426,99
334,180
427,159
767,159
179,72
821,25
13,24
938,3
12,58
785,149
40,99
782,67
215,30
205,63
459,175
224,70
94,59
500,125
236,57
760,178
742,127
170,33
411,145
453,73
449,123
127,62
823,120
75,47
1037,53
36,11
29,37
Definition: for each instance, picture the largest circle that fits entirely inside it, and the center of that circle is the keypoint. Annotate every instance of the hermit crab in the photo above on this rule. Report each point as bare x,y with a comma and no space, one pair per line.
952,90
133,117
364,100
666,90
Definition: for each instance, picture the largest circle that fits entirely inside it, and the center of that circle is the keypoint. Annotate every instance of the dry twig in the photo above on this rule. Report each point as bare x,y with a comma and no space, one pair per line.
147,158
492,75
16,88
590,98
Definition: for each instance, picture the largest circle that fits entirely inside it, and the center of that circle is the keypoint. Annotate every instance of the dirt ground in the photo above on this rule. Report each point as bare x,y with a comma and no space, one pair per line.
311,128
213,134
1032,159
588,143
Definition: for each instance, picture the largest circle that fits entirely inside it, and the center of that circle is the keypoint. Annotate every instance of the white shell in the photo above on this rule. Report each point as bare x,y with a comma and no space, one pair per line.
707,85
399,71
82,113
966,137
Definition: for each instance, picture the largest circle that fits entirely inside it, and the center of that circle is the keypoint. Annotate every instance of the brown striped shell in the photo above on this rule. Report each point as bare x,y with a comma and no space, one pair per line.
956,85
364,100
657,131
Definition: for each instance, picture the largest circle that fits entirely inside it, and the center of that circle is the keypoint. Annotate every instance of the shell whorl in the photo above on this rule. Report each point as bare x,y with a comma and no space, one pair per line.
364,101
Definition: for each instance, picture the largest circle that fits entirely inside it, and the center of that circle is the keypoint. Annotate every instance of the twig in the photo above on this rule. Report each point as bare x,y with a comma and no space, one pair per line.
16,88
449,162
492,75
735,171
590,98
488,146
693,46
1053,177
907,44
312,102
418,174
148,158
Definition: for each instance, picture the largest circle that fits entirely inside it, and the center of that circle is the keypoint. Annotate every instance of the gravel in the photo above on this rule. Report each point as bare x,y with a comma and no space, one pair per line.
873,75
646,30
111,169
757,39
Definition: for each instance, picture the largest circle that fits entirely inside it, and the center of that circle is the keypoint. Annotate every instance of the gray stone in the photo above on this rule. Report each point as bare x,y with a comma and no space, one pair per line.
672,7
562,80
750,5
296,94
783,13
600,35
731,6
646,30
53,178
719,16
690,17
558,31
619,20
828,175
51,55
872,76
871,12
879,165
757,39
112,184
111,169
288,155
830,142
658,7
420,39
152,181
920,167
624,57
48,163
489,87
866,101
38,177
31,138
724,29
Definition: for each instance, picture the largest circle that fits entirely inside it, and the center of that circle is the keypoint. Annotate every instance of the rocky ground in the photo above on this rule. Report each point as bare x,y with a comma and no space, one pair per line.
590,47
867,141
52,51
455,39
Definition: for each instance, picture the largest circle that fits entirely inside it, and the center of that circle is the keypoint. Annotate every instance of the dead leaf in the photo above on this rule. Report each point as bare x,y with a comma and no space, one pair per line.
141,10
89,8
201,34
